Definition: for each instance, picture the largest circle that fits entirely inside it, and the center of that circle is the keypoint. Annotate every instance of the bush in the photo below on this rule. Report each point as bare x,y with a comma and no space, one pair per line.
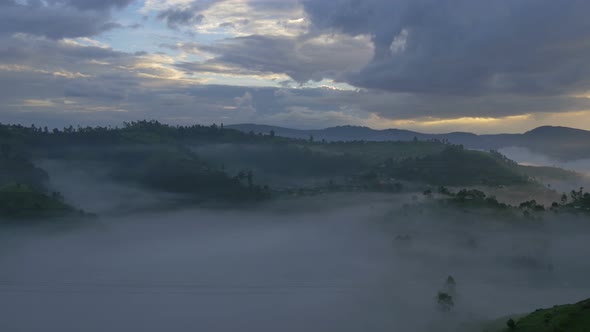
511,324
445,301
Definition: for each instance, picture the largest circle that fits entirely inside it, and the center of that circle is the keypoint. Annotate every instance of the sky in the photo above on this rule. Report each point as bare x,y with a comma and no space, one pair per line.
425,65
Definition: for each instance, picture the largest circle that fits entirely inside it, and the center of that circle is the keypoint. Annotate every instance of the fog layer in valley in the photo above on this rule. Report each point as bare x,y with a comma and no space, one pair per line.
527,157
327,263
88,186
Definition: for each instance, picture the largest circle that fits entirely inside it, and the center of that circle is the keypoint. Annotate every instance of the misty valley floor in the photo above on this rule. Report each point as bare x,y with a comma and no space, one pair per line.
315,264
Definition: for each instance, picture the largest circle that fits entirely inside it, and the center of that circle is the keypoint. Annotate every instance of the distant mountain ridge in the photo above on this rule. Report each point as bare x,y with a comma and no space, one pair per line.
561,143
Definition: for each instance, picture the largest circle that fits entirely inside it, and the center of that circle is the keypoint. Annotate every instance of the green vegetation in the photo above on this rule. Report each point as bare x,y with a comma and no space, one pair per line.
432,162
22,201
580,200
23,192
16,167
444,298
138,132
281,158
544,174
445,301
180,171
460,167
214,163
563,318
379,153
471,205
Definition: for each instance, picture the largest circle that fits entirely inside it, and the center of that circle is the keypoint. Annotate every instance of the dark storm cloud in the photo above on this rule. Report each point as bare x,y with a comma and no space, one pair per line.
467,47
58,19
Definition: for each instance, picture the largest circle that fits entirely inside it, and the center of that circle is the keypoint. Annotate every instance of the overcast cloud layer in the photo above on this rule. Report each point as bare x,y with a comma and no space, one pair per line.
420,64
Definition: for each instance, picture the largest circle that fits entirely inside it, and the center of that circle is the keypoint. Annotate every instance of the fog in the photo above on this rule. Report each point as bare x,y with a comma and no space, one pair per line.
324,263
88,186
526,157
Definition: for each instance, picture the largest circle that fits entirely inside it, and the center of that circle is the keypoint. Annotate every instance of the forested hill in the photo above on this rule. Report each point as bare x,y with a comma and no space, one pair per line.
216,163
557,142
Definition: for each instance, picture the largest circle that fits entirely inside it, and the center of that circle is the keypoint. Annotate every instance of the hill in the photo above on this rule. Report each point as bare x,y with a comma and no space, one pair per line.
353,133
566,318
221,164
19,201
556,142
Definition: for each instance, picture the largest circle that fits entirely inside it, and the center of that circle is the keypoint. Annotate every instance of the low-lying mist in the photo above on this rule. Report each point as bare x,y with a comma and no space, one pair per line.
339,262
525,156
88,186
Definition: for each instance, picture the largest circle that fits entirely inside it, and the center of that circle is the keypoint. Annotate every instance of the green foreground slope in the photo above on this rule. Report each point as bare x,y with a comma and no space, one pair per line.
562,318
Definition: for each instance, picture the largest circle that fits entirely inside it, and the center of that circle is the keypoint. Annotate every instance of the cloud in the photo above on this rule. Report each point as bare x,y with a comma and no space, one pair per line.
302,59
466,47
120,85
92,4
97,81
422,64
57,19
233,17
181,16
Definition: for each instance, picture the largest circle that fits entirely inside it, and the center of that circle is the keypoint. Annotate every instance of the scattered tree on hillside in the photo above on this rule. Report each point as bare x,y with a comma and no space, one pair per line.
531,206
511,324
250,178
563,199
450,286
444,298
445,302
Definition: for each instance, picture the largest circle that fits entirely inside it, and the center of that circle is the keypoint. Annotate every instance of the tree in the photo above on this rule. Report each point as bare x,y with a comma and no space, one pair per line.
56,195
531,205
272,133
445,301
450,285
250,177
474,194
511,324
5,150
444,191
577,195
563,199
241,175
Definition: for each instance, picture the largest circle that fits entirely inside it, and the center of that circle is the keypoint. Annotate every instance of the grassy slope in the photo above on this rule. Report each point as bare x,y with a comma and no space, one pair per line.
562,318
